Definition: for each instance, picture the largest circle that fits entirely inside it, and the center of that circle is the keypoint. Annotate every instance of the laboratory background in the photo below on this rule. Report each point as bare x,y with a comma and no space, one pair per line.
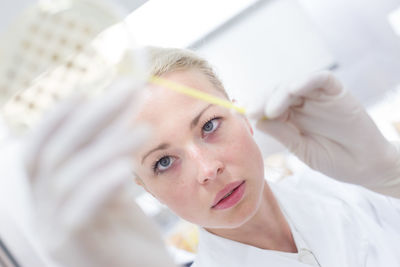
254,45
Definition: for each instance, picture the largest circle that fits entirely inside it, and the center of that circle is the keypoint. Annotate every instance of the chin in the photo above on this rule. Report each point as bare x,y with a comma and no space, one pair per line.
251,209
241,214
250,205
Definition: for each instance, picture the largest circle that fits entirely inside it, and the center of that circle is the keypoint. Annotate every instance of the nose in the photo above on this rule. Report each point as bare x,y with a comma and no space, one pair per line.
209,166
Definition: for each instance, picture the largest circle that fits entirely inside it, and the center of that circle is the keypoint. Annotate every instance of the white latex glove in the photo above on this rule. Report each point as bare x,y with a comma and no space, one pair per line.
326,127
79,164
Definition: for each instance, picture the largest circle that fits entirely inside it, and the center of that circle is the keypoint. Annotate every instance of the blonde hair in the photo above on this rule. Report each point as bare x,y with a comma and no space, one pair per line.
167,60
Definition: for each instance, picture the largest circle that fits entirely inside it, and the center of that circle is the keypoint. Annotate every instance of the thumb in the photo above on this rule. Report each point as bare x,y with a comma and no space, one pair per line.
284,132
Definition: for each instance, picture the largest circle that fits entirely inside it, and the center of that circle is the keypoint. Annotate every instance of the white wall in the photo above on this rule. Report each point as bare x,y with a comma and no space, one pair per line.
272,42
179,23
360,37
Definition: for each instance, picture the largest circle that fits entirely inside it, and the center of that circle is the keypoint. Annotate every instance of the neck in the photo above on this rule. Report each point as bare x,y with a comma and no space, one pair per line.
267,229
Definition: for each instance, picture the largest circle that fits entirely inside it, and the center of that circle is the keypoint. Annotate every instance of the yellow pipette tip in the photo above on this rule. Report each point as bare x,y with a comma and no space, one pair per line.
196,93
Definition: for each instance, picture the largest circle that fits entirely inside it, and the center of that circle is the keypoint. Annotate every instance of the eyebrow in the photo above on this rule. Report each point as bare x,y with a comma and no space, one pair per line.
160,147
193,124
195,121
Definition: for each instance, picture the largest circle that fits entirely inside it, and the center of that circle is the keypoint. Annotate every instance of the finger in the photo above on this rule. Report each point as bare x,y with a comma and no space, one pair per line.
255,111
124,124
94,159
280,101
89,198
283,131
316,119
42,133
66,217
318,84
98,117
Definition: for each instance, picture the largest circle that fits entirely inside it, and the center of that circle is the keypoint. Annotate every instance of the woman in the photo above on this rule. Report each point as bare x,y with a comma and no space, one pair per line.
203,163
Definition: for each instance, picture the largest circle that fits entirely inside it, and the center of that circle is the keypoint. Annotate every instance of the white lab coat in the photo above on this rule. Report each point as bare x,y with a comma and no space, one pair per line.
342,224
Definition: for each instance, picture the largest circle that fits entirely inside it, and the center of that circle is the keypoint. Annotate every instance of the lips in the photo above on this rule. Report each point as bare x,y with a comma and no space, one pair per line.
230,194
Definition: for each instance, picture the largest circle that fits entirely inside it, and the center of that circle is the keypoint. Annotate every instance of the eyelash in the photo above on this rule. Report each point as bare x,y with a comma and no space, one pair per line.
214,117
155,164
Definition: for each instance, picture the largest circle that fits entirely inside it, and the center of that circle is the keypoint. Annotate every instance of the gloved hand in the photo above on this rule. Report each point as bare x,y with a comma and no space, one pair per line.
79,164
325,126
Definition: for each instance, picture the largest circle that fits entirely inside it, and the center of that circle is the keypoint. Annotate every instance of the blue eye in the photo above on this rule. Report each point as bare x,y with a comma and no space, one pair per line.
163,163
210,126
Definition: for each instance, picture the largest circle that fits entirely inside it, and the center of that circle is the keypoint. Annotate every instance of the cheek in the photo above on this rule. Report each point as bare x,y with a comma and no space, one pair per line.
184,203
174,194
242,148
176,189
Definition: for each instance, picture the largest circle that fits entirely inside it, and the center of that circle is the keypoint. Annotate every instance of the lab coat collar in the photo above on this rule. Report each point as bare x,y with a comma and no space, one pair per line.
323,224
216,251
327,226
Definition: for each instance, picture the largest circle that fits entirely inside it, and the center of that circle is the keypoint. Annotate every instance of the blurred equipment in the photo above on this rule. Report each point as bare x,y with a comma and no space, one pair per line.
184,236
58,47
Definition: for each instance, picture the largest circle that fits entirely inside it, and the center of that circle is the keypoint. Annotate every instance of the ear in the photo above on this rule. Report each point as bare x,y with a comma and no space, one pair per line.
245,119
139,182
249,125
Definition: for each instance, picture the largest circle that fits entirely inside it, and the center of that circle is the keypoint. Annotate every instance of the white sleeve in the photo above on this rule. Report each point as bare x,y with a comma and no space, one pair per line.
386,211
390,186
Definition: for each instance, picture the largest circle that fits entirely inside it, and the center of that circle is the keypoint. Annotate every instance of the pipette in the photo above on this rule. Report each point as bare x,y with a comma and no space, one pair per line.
183,89
192,92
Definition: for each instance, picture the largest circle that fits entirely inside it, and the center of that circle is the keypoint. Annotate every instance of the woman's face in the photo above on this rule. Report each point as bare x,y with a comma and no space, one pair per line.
201,160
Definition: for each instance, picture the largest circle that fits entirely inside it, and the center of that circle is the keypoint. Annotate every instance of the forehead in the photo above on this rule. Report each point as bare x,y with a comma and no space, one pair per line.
160,103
